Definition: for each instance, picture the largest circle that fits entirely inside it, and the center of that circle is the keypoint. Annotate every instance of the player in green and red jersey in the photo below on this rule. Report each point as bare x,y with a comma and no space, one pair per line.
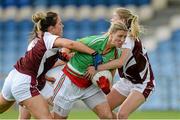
73,86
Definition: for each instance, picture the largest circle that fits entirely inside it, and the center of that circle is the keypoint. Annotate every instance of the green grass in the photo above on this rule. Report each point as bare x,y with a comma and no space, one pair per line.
87,114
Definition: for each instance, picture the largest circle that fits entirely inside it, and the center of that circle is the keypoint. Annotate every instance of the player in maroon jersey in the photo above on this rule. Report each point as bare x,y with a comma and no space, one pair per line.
137,79
28,76
47,91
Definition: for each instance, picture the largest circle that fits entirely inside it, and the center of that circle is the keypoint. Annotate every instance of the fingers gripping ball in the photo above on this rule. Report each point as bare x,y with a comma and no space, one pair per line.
103,80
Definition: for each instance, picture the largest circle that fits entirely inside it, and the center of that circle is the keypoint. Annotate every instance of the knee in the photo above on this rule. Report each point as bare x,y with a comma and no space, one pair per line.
57,116
1,110
122,115
106,115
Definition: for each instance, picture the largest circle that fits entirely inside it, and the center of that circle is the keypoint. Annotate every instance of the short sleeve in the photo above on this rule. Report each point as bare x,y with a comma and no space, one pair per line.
129,43
32,44
49,39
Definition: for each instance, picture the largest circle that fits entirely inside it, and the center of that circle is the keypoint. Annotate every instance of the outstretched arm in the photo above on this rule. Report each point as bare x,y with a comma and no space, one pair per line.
75,45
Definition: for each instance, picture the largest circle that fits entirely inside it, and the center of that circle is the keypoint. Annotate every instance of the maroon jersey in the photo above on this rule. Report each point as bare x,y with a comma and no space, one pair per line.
38,60
137,68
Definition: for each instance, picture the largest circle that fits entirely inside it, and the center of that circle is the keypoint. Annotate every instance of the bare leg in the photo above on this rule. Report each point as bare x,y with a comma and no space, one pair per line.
38,107
103,111
24,113
56,116
4,104
133,101
115,99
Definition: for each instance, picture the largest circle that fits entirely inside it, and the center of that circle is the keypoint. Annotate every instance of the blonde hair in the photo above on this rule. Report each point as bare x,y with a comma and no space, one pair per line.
117,26
36,18
131,21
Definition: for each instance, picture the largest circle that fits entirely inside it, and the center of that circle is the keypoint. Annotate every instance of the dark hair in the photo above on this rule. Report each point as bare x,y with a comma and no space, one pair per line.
50,20
41,22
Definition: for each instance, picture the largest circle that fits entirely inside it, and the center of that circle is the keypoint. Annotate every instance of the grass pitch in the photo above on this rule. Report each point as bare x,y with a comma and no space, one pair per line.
87,114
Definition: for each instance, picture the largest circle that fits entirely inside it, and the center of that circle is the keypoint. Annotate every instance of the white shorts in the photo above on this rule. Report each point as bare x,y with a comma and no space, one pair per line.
67,93
17,87
55,72
124,87
47,91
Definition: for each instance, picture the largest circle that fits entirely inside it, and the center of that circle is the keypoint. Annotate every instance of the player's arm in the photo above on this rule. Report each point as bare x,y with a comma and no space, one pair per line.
50,79
59,63
74,45
117,63
113,64
65,54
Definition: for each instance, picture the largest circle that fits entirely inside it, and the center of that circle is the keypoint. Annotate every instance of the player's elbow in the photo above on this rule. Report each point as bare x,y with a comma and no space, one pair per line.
120,64
71,45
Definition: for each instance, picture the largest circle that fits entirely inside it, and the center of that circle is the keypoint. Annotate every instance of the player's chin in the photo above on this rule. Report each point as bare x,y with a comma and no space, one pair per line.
61,35
119,45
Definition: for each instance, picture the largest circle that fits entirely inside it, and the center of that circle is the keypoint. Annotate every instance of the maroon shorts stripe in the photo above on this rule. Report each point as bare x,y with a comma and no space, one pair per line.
150,84
33,89
148,89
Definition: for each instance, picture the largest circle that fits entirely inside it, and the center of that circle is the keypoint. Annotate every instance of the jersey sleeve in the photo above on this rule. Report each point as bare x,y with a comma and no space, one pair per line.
129,43
49,39
32,44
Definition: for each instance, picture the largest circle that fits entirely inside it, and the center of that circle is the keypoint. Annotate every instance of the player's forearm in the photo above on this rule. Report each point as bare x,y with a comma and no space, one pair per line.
117,63
82,48
110,65
59,63
73,45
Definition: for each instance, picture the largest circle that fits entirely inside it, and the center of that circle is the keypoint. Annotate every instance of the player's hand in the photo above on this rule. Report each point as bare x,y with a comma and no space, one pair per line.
90,72
97,59
104,84
50,79
71,55
64,56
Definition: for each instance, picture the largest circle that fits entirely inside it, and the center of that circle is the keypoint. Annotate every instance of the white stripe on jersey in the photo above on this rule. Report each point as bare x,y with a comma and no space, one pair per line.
47,54
101,38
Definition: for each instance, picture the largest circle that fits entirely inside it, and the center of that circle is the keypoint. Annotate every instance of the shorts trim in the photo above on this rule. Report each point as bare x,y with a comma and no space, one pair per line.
58,86
6,97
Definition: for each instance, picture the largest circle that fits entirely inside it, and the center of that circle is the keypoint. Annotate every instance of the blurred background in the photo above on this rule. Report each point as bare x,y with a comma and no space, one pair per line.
160,18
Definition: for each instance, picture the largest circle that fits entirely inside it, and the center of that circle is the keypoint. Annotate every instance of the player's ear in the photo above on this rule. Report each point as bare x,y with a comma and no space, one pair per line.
51,29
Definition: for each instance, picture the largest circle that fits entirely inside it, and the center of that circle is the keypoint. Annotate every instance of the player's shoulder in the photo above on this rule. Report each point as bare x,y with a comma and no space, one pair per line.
92,37
99,39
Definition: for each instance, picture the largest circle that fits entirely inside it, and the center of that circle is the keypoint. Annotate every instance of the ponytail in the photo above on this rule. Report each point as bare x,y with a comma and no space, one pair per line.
135,28
131,21
36,19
